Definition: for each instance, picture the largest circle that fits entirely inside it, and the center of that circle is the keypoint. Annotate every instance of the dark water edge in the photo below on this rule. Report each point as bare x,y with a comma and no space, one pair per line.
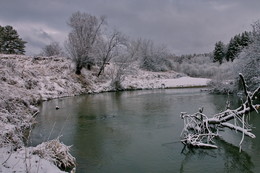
138,131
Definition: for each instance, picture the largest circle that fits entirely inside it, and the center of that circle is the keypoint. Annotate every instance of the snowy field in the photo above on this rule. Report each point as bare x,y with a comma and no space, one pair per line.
26,81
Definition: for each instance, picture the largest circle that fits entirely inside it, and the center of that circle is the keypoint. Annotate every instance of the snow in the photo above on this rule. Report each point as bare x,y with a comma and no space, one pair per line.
26,81
24,161
185,82
159,80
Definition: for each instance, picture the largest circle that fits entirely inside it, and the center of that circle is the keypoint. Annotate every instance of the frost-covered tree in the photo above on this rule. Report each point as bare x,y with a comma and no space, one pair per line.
153,57
219,52
124,62
107,47
10,42
52,49
82,38
248,61
197,65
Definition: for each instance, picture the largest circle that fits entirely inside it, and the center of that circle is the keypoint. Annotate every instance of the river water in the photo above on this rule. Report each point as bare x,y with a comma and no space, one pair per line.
139,132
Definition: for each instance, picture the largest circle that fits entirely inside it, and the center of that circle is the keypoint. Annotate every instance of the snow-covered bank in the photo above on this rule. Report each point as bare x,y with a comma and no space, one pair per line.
26,81
24,161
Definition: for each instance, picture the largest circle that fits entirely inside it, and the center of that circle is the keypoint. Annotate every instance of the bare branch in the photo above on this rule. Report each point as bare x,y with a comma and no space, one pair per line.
198,126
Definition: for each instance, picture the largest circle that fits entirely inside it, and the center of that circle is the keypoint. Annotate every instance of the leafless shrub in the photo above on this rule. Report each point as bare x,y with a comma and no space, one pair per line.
53,49
153,57
57,153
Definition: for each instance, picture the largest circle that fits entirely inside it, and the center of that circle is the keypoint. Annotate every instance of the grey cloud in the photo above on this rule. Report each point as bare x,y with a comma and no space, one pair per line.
186,26
42,34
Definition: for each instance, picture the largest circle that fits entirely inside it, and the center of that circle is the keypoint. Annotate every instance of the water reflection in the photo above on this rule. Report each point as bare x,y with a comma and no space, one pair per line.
133,132
232,159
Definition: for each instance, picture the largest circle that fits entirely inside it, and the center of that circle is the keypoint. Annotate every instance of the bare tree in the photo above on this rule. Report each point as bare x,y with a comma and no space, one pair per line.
124,62
153,57
107,48
81,40
52,49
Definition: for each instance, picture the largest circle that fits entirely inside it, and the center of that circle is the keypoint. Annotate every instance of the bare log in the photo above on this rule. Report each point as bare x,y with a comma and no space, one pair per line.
239,129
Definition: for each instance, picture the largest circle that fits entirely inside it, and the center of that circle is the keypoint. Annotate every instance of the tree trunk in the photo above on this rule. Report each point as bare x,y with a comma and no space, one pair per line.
78,70
101,70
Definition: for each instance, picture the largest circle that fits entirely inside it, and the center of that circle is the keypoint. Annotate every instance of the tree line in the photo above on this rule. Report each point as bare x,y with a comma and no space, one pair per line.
243,54
232,49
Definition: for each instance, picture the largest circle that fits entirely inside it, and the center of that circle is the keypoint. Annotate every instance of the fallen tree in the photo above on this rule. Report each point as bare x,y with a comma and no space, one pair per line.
200,130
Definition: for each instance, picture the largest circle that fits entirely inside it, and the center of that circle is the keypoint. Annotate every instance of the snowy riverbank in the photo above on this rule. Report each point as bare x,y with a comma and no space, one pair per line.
26,81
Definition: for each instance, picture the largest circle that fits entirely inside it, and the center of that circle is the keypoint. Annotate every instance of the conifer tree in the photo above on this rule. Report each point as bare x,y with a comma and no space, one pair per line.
10,42
236,44
245,39
219,52
232,50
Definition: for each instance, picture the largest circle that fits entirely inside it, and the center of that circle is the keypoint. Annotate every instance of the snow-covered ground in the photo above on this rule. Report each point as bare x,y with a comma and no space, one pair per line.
26,81
157,83
139,79
24,161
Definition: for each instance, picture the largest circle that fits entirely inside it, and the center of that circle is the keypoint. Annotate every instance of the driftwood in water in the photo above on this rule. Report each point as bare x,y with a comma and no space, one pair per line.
199,130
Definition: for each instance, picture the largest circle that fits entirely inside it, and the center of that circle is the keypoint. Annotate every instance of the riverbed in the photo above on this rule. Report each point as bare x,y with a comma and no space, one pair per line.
139,131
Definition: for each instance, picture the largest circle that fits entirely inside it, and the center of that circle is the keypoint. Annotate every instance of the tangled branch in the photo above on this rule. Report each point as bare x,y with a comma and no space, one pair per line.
199,130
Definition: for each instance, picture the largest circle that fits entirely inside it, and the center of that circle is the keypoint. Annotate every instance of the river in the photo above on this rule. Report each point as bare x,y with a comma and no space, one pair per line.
139,132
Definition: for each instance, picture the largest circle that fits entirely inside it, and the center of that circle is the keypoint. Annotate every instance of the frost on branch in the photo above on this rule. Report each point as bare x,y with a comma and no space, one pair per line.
200,130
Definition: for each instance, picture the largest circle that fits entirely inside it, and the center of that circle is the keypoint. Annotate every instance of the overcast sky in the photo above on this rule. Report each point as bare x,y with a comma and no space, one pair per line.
185,26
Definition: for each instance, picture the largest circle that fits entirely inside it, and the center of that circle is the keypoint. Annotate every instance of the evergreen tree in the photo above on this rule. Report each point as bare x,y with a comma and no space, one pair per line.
236,45
10,43
219,52
231,50
245,39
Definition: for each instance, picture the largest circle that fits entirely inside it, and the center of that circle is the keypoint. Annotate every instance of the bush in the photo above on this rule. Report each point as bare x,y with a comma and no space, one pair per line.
195,65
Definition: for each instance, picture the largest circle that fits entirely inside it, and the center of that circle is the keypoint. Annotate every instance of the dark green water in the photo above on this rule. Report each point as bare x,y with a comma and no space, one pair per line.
138,132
